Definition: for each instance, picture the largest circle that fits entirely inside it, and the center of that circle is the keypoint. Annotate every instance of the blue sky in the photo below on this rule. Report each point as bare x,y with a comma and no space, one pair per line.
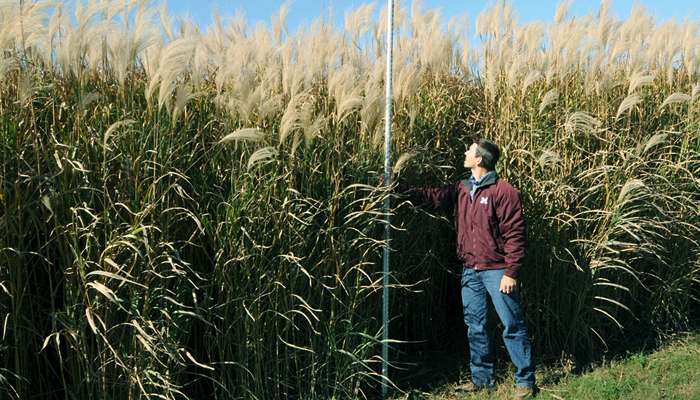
304,11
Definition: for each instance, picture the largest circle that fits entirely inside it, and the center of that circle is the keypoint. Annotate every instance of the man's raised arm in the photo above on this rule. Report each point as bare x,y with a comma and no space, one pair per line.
438,198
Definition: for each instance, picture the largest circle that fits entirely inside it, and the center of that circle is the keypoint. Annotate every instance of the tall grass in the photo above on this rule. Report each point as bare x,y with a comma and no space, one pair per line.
190,214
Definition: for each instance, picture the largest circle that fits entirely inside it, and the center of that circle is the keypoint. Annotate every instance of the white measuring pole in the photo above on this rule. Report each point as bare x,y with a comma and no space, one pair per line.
387,201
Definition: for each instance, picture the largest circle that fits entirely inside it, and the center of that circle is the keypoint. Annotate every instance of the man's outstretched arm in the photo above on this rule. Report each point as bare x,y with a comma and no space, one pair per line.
437,198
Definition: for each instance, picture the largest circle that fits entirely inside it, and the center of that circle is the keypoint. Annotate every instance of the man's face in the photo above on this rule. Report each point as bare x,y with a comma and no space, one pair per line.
471,158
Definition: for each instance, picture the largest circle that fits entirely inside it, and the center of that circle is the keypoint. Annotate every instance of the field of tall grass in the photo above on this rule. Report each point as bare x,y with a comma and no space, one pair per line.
189,213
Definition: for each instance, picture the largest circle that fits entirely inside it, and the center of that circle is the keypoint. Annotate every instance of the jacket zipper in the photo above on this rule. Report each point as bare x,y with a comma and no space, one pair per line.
471,215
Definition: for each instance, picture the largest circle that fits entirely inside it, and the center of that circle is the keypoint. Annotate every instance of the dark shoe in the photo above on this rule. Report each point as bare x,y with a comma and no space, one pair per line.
525,392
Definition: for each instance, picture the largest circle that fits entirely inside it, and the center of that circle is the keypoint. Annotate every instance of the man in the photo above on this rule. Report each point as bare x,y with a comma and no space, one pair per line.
490,228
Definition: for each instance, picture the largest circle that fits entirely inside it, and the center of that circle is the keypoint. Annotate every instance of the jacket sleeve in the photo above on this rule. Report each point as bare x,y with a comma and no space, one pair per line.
437,198
512,229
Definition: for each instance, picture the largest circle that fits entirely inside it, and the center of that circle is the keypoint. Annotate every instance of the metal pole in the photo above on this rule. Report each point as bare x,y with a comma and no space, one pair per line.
387,201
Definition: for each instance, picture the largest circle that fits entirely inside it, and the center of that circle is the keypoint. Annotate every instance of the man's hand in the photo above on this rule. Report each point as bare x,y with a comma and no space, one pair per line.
508,284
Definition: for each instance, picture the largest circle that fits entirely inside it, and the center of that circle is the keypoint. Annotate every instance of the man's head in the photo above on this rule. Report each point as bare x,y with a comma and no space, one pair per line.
481,153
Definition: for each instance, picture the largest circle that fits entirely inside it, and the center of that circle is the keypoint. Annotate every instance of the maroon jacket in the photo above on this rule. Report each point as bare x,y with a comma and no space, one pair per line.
490,228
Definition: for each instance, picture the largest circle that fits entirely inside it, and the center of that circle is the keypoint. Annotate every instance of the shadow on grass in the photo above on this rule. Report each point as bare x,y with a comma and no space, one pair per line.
441,369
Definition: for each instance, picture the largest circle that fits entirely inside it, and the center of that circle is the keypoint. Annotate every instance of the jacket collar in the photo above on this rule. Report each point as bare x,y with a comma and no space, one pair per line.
486,180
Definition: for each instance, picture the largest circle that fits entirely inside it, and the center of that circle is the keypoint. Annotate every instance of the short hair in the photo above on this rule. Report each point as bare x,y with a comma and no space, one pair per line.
488,150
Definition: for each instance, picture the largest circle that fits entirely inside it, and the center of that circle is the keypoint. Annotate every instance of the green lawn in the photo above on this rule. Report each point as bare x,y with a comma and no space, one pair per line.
671,372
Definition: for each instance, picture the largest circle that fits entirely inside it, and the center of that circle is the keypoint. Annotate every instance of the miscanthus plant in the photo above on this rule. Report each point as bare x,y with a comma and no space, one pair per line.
189,213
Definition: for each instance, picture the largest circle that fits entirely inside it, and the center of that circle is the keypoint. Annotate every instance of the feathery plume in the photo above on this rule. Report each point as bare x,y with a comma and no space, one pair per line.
562,11
174,61
183,95
165,21
631,186
370,114
270,106
627,104
676,98
654,141
531,77
358,21
244,135
113,128
401,161
407,81
581,121
290,118
638,80
548,159
313,130
264,156
279,23
549,98
349,103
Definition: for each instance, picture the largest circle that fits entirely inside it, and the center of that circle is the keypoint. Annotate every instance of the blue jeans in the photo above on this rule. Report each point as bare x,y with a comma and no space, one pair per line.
475,286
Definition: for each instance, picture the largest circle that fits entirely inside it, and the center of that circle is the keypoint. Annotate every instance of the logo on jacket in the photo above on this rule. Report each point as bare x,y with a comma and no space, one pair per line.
484,200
